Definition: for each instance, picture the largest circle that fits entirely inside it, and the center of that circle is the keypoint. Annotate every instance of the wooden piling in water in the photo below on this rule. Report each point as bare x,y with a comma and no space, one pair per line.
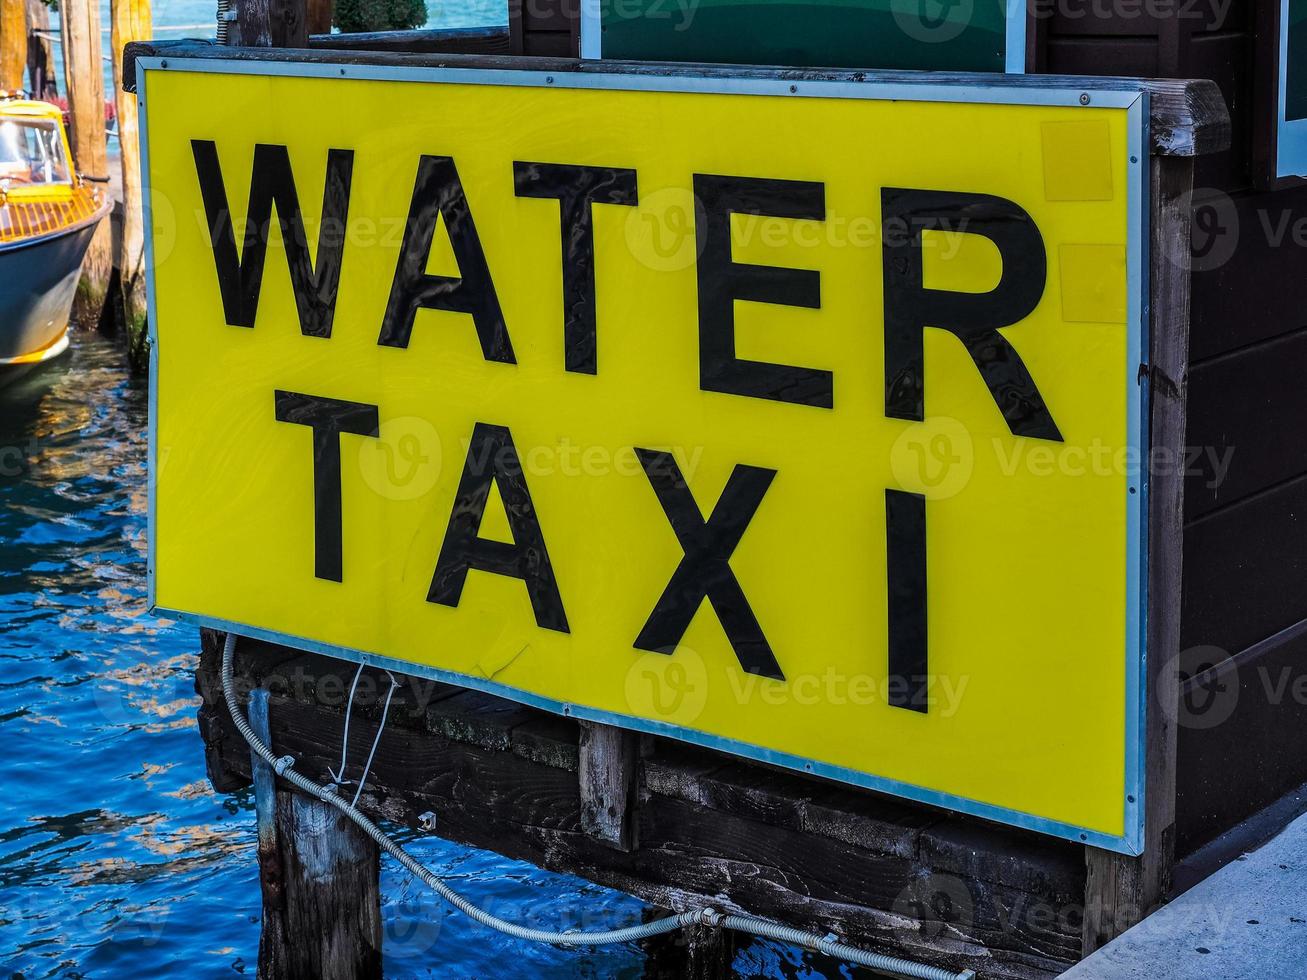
80,20
41,80
132,21
13,43
320,879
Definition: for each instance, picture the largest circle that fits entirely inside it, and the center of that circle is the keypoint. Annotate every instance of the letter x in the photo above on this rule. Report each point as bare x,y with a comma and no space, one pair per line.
705,571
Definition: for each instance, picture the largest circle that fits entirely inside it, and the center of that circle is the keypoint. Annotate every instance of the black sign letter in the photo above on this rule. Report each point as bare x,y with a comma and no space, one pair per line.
493,457
905,562
722,282
974,318
705,570
272,183
438,192
328,417
576,188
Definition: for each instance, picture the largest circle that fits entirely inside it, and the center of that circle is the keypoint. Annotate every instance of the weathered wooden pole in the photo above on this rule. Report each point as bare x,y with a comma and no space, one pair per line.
272,879
694,953
131,22
84,68
320,878
13,43
40,52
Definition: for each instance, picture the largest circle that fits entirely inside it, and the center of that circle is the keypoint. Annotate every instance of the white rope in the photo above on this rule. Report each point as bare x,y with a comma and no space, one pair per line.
339,777
376,741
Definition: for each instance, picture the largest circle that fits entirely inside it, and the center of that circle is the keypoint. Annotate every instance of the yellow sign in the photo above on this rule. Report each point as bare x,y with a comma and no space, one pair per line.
799,421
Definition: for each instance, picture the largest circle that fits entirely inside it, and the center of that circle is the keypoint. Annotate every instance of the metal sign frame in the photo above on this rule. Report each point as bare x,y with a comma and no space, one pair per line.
1133,643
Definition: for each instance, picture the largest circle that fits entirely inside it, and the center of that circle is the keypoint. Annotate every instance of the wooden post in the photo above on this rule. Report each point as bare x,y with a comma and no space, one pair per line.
333,892
607,780
1121,890
320,15
40,52
13,43
131,22
270,24
320,878
85,87
694,953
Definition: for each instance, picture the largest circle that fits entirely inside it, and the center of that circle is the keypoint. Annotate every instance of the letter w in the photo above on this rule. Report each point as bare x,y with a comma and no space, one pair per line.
272,183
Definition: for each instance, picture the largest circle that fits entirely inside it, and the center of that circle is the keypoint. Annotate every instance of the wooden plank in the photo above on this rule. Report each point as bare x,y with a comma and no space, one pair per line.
1120,890
550,44
460,40
1246,410
606,775
1253,244
1188,116
551,15
1246,571
1238,721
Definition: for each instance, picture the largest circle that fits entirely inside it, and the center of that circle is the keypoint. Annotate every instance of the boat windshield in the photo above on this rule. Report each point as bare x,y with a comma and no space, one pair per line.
31,152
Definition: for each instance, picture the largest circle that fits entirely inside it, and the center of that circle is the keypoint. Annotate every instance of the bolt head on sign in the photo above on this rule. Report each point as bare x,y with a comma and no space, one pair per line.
590,395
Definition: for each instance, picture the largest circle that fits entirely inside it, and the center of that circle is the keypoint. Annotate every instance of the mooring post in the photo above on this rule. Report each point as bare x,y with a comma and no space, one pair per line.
694,953
320,877
272,938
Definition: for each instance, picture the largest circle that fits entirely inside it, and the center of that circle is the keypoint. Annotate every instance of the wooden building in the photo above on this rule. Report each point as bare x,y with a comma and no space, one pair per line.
679,825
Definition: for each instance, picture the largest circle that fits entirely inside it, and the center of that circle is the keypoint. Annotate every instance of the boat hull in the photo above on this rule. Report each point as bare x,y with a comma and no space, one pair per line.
38,280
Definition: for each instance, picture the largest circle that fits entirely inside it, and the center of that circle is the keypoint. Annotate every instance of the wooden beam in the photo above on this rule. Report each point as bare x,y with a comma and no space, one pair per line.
1120,890
131,22
84,66
1188,117
457,40
13,43
607,761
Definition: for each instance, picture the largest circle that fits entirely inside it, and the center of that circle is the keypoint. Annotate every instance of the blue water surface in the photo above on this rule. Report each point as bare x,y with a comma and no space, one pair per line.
117,858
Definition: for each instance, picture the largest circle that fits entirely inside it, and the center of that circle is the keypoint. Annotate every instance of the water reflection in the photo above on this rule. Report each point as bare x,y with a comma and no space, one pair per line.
114,856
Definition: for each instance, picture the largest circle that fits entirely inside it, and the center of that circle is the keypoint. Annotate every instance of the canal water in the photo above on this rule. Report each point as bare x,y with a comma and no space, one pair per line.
117,859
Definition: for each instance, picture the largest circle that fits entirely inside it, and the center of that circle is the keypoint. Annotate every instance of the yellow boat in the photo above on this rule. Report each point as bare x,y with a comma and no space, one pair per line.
48,214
